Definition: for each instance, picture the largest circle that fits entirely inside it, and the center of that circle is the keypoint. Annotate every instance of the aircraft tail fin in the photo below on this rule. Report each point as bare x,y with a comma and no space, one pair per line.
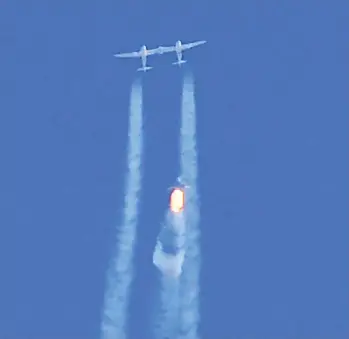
179,62
144,69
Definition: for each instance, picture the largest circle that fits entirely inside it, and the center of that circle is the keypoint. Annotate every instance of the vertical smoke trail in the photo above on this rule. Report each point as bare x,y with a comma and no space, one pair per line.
168,257
189,298
178,243
120,272
166,326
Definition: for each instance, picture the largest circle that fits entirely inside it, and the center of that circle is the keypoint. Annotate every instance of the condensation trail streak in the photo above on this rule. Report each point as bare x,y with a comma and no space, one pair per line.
120,273
189,299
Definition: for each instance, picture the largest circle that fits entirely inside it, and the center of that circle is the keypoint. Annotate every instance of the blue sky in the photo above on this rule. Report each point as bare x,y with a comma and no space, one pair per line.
272,107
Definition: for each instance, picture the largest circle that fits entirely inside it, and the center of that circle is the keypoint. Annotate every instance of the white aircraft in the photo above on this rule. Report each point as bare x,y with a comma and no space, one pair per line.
142,53
180,184
179,48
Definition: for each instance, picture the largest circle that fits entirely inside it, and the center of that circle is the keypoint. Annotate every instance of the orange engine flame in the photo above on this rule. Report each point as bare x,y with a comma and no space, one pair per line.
177,200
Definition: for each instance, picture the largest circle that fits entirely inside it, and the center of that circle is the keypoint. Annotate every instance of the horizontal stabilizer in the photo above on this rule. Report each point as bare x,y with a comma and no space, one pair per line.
179,62
144,69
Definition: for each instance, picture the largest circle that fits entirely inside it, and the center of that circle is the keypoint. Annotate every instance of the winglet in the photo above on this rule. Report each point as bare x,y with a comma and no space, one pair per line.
144,69
179,62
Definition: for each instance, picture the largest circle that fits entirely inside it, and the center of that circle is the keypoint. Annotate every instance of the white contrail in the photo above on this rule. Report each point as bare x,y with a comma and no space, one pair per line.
189,293
177,252
120,273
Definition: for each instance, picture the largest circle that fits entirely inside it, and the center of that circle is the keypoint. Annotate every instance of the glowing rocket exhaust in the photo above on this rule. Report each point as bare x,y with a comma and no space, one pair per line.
177,200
